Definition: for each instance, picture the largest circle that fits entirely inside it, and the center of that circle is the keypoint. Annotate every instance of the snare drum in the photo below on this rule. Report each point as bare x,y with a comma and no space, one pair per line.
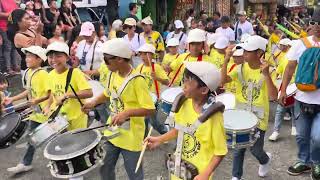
240,128
47,131
97,88
291,92
73,155
228,99
167,97
11,129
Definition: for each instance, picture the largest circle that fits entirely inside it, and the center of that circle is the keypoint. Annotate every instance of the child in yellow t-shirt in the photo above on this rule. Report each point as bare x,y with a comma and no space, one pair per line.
170,57
159,76
252,76
220,47
206,147
128,108
37,92
58,53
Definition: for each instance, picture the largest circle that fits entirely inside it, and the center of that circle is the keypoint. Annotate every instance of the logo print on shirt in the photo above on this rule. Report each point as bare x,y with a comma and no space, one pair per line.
255,90
191,145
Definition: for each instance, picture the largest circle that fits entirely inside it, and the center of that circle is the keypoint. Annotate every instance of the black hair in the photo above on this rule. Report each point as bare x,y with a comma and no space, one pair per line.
132,6
225,19
74,34
13,20
97,26
217,13
203,22
50,1
3,79
189,74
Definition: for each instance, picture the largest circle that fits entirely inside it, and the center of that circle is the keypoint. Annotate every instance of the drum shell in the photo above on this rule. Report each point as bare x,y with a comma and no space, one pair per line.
289,101
165,107
240,139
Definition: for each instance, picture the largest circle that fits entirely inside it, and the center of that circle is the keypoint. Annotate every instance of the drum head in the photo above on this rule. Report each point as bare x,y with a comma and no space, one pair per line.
8,124
170,94
291,89
68,145
228,99
239,120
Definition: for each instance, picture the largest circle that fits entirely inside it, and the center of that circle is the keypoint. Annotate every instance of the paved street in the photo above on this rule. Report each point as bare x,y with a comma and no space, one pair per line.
283,155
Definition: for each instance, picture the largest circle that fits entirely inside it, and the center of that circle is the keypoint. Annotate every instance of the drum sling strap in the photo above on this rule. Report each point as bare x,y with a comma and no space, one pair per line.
208,111
258,111
94,48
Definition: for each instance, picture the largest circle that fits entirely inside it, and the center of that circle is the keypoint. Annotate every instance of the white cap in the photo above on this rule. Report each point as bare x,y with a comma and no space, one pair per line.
254,42
116,24
147,20
58,46
173,42
221,43
36,50
117,47
293,42
130,22
285,42
196,35
147,48
242,13
207,72
244,37
212,38
237,52
178,24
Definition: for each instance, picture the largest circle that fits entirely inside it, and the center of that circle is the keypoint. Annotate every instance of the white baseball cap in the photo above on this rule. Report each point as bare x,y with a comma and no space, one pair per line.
254,42
116,24
207,72
242,13
130,22
147,48
244,37
117,47
173,42
285,42
147,20
58,46
196,35
237,52
178,24
221,43
212,38
87,28
36,50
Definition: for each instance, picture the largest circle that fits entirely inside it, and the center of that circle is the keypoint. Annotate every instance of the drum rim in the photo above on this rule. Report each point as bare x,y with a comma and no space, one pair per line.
73,154
161,95
14,129
242,130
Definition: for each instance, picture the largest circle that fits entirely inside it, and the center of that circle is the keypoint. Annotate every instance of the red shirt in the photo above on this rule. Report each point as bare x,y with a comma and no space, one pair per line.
6,6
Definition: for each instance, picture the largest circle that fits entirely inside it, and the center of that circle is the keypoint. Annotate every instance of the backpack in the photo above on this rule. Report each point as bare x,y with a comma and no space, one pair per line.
308,71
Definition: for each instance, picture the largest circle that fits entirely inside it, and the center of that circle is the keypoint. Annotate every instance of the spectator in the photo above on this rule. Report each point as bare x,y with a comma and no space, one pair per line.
66,14
216,19
34,18
99,28
194,24
202,24
203,15
242,26
7,51
40,11
179,35
225,29
73,44
53,17
115,29
20,33
167,29
133,8
57,32
89,50
189,17
134,40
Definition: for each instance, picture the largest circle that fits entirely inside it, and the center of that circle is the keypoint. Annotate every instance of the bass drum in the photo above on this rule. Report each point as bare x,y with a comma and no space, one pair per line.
11,129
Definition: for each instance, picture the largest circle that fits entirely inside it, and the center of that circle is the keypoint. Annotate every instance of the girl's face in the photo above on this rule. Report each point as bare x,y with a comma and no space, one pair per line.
67,4
3,86
58,31
25,22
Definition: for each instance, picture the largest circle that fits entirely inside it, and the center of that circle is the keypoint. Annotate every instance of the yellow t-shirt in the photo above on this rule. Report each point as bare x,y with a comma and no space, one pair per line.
71,107
156,40
282,64
104,72
146,72
208,140
168,58
217,58
134,96
39,88
260,94
175,65
231,86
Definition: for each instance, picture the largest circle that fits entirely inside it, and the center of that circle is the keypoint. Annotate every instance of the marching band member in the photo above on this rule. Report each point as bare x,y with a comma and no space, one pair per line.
37,92
171,56
130,103
254,87
220,47
206,148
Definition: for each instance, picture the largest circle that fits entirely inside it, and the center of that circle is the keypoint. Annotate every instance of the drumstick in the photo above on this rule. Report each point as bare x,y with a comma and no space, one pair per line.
142,151
155,81
74,92
89,129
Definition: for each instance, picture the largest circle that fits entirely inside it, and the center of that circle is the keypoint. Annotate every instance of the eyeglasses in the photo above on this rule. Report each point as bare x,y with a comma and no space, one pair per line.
313,23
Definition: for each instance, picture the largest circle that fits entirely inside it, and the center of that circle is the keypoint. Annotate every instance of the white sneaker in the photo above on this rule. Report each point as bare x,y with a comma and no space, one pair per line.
293,131
287,117
235,178
264,169
274,136
19,168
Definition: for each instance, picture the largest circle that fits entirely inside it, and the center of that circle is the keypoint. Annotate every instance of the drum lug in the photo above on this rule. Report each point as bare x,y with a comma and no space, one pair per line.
87,159
70,166
53,166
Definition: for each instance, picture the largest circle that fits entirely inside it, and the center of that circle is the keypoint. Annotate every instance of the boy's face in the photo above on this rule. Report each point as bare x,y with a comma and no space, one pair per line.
225,25
194,24
57,60
3,86
252,56
145,56
192,90
195,47
147,28
33,61
173,49
238,59
112,62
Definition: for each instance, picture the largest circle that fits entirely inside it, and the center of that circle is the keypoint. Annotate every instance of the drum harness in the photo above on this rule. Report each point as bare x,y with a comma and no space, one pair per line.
182,167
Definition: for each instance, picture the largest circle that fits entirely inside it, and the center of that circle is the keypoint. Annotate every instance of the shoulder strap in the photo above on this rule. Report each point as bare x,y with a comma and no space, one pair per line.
306,42
200,58
30,80
69,75
236,30
109,79
24,77
177,103
141,68
181,37
139,39
232,67
240,76
94,47
214,108
126,82
176,75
